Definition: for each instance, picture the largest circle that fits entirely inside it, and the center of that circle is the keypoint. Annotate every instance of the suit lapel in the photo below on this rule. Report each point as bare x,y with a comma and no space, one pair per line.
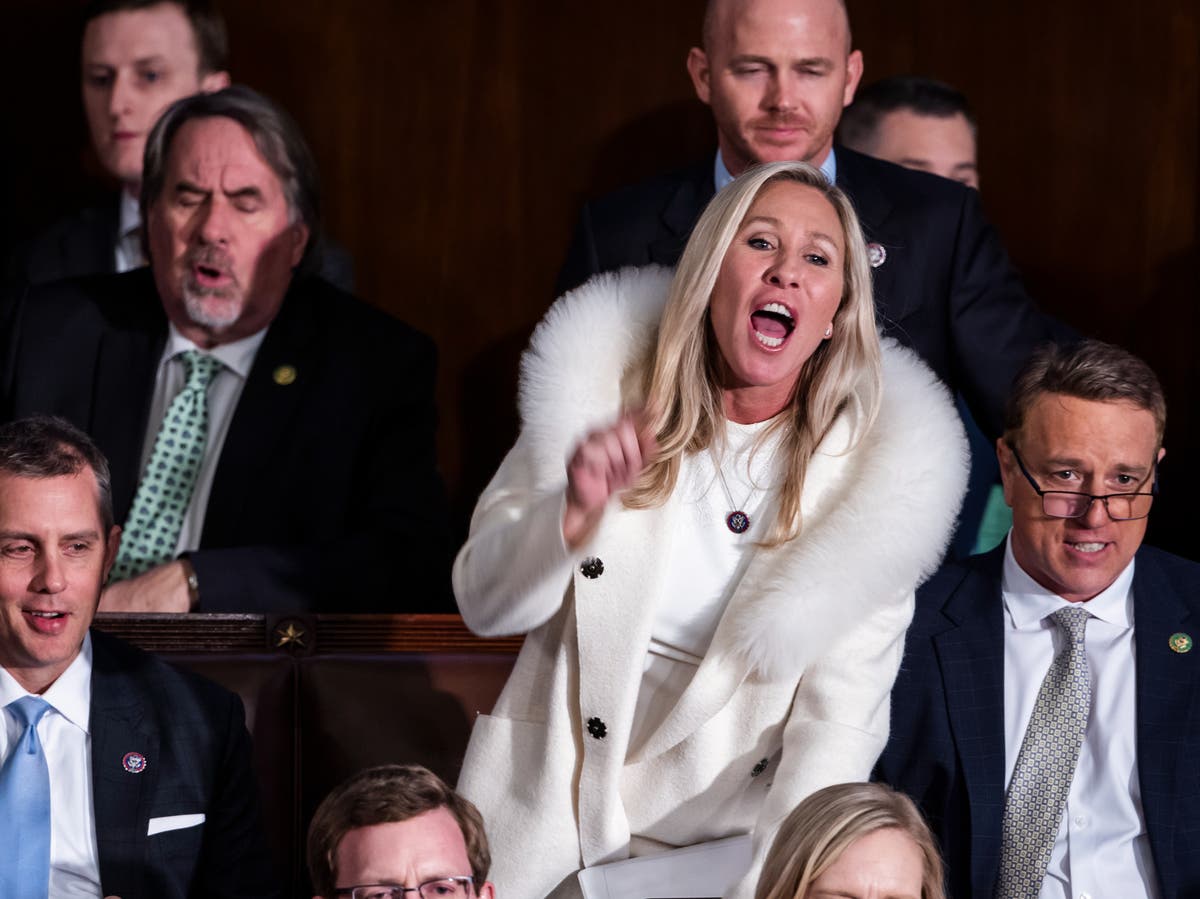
271,397
680,213
872,206
120,797
971,656
1166,703
874,209
89,246
123,382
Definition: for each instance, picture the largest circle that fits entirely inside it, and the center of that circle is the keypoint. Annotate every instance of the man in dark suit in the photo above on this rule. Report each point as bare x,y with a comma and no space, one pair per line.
777,74
1045,714
120,775
304,478
137,58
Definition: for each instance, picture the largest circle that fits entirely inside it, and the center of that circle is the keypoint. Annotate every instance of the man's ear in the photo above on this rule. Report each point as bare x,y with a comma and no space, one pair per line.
1162,451
214,81
701,72
487,891
854,73
110,550
298,234
1005,457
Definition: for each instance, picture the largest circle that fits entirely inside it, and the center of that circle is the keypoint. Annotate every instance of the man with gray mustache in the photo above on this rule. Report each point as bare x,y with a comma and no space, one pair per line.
263,427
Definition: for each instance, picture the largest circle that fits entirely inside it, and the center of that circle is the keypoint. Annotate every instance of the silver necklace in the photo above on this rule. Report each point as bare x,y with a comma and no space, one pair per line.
737,520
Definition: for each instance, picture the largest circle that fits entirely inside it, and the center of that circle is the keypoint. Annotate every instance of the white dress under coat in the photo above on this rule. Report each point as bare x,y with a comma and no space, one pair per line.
792,694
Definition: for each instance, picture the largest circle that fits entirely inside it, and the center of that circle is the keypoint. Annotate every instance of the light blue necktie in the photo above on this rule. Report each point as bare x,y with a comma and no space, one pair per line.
25,808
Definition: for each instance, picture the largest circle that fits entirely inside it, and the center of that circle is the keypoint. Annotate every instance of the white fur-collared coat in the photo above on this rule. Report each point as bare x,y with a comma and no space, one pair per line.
792,694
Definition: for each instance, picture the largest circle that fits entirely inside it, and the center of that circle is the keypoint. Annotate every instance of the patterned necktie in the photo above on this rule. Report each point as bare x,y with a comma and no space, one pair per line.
1041,779
25,808
161,502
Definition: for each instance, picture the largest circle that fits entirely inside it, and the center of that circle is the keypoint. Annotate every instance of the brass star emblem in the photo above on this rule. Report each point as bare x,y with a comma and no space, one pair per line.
289,635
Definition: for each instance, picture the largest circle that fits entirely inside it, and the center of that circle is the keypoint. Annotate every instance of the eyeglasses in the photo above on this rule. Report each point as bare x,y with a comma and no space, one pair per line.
1069,504
446,888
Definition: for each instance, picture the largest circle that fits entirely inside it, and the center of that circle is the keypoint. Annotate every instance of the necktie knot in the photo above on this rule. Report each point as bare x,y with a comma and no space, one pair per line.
200,369
1072,621
29,709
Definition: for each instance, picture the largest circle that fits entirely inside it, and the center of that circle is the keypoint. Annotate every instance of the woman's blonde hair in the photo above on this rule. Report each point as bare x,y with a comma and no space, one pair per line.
684,405
824,825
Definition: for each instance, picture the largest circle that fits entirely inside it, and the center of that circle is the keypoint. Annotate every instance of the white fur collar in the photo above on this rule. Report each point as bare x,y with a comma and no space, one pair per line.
884,526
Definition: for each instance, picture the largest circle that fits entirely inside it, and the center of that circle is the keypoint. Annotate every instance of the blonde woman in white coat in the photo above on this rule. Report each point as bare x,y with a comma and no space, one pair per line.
722,498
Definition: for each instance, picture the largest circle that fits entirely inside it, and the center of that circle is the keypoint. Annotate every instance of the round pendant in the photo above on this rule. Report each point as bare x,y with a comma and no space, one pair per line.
737,521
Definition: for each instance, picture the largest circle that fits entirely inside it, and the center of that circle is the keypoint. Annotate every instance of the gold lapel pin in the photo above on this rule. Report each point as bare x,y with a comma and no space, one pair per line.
284,375
1180,642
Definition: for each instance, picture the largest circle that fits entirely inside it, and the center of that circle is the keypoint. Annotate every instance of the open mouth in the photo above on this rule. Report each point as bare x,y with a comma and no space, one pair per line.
209,275
773,324
1088,547
47,622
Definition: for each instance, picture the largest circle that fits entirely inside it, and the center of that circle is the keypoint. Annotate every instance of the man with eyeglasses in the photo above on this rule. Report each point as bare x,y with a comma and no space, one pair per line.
1047,712
398,832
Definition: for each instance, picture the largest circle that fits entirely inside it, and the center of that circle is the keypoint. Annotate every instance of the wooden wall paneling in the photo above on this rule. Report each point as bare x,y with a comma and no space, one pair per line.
457,140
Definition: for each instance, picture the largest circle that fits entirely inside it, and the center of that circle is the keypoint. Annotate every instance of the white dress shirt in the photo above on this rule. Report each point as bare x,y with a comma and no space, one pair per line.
722,175
66,740
223,394
1102,848
128,251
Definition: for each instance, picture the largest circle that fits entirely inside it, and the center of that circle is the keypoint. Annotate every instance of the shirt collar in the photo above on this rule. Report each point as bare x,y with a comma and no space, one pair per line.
1027,602
237,356
70,695
129,215
721,175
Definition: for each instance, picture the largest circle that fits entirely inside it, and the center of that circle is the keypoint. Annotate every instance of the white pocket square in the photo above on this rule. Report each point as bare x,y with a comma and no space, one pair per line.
173,822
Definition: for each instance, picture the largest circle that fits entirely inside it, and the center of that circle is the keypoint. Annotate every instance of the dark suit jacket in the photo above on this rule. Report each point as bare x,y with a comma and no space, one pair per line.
83,243
946,288
193,736
947,743
326,496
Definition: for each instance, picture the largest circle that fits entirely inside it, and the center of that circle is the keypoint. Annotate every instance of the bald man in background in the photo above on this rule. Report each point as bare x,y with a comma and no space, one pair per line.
777,74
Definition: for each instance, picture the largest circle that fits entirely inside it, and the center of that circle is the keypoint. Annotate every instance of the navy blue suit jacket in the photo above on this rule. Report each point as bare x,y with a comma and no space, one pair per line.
193,736
946,288
946,748
326,496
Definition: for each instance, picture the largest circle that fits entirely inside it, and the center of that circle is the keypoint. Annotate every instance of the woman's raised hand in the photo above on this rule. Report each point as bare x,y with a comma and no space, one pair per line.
605,462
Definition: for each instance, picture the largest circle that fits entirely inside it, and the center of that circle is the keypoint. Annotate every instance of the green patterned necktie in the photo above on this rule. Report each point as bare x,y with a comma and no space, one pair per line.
1041,778
161,502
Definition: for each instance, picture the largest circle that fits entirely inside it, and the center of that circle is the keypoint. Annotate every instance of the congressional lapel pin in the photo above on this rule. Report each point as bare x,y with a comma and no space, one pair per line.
134,762
876,254
284,375
1180,642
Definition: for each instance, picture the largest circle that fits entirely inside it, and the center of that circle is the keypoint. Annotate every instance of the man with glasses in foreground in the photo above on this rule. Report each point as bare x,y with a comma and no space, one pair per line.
1047,712
398,832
